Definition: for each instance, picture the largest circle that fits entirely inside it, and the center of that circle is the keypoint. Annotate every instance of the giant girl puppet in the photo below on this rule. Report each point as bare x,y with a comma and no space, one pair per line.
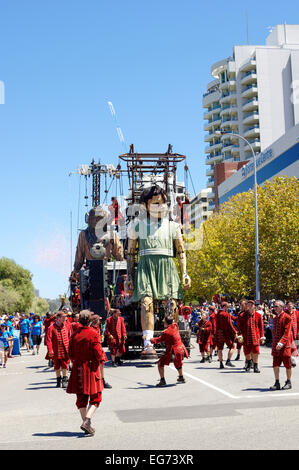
157,239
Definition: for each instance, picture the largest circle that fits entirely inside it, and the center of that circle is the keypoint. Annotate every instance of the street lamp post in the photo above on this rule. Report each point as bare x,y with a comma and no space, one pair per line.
257,271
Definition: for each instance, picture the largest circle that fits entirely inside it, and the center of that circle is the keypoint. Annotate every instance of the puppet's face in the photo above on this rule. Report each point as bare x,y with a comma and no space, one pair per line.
156,207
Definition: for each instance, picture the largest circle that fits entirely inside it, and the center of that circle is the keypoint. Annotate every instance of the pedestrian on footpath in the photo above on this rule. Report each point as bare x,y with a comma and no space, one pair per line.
204,338
10,327
294,317
85,381
25,331
251,334
174,345
57,342
37,329
224,333
95,323
4,343
281,345
117,335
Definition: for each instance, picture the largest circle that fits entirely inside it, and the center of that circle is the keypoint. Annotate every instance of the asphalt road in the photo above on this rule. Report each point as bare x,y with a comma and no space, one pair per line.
215,409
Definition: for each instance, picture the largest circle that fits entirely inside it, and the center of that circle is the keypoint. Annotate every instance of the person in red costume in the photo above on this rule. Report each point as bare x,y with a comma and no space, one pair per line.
235,318
204,337
294,314
117,335
281,344
95,323
224,333
251,334
57,341
212,319
85,381
174,345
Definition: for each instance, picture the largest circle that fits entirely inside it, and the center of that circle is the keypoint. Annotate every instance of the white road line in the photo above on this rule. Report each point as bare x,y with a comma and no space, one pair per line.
208,384
235,397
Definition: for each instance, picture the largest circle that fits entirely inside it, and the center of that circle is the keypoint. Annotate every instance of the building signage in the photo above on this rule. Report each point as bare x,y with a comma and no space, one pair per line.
262,158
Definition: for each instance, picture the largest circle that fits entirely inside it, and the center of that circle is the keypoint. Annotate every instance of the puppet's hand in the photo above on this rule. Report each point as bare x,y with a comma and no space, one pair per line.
186,281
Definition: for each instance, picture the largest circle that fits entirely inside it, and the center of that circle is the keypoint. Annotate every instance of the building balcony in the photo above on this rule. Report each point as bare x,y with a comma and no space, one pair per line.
229,109
209,137
249,92
210,97
250,105
212,159
210,171
213,147
229,123
253,132
252,118
249,78
210,183
255,144
250,65
227,85
228,98
211,124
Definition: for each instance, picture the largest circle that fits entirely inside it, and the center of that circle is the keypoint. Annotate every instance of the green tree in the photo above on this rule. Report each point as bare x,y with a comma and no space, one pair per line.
18,280
39,306
225,263
8,300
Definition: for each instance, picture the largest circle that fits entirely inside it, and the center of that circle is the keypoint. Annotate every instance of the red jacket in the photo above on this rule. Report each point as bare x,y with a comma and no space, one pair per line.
117,329
282,333
204,337
52,339
47,323
244,328
86,354
223,328
172,339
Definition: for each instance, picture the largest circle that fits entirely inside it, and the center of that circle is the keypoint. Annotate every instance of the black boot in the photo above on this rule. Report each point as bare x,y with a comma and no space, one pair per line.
247,366
276,386
202,361
114,364
229,363
162,383
58,384
118,361
251,364
181,379
210,359
221,365
287,385
256,369
106,385
238,357
64,382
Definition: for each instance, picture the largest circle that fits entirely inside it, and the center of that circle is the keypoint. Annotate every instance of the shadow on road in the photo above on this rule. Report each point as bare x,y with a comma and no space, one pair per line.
60,434
148,387
256,390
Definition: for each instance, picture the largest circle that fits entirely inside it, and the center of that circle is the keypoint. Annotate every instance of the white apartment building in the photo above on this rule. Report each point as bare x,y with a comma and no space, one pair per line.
253,94
198,209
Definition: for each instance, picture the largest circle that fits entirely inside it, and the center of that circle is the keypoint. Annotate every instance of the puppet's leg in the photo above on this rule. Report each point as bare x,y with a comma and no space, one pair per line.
147,324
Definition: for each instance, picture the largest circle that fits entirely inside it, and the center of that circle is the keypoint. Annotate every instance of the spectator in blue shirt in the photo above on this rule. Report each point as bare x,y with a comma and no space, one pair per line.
37,329
25,330
4,343
9,326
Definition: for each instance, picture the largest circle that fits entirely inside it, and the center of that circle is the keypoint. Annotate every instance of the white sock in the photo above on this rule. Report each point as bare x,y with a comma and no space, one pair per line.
148,334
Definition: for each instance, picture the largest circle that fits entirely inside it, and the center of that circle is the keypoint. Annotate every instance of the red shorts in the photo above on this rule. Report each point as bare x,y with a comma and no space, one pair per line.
282,358
251,349
229,343
82,400
165,360
60,363
120,348
204,347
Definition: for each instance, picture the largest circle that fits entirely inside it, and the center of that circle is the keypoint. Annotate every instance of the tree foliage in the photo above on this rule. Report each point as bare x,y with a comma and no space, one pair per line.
225,262
39,306
16,286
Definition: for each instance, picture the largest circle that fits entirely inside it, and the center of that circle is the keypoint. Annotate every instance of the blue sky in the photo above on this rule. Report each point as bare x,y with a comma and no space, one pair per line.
61,62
